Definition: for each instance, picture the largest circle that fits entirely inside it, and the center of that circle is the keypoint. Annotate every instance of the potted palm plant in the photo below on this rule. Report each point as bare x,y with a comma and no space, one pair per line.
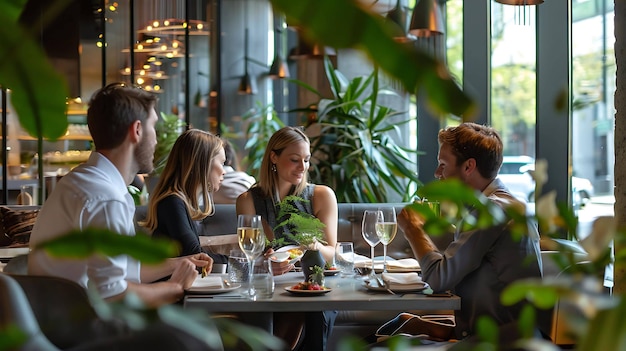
355,152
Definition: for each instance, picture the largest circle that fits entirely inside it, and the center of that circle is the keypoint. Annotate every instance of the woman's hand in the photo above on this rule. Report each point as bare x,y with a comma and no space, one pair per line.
278,268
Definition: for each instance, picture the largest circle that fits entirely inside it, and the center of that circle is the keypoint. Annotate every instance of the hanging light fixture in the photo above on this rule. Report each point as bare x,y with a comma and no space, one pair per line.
522,13
398,19
279,68
246,84
427,19
520,2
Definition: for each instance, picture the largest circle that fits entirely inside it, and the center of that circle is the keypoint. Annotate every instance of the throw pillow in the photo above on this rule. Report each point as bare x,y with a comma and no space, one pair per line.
17,225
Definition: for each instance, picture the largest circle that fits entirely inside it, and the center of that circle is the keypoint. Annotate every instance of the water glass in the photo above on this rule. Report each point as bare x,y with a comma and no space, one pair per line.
29,195
263,280
237,266
344,258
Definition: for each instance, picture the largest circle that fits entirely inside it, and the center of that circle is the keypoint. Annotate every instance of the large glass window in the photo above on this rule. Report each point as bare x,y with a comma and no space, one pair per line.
513,78
593,75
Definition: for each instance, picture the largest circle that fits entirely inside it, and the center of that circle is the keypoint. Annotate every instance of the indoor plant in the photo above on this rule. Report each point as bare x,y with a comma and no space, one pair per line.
355,152
168,128
262,122
302,228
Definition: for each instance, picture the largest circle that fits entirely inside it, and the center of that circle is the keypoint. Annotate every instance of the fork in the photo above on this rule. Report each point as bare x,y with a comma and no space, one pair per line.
382,284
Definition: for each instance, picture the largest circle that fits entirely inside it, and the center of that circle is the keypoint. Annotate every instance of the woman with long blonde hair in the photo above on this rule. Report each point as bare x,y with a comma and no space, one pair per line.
194,170
284,172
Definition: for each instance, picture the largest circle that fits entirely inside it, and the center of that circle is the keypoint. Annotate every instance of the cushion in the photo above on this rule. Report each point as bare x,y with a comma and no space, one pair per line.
17,225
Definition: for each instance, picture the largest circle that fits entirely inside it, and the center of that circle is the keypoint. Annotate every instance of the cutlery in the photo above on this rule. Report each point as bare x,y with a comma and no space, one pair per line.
382,284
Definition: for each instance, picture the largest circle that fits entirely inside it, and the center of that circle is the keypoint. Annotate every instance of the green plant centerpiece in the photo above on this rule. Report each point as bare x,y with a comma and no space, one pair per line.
302,228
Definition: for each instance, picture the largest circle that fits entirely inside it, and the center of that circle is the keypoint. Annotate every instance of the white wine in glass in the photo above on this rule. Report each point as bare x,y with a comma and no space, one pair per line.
368,230
251,241
386,228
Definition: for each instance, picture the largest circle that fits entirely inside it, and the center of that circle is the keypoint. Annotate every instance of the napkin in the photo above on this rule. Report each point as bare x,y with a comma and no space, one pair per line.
407,263
208,282
402,280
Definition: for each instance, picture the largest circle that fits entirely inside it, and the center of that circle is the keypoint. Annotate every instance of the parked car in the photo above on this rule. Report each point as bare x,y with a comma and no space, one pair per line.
514,174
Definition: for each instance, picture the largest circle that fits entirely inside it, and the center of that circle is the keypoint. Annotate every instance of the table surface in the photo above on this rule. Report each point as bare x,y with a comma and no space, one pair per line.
348,294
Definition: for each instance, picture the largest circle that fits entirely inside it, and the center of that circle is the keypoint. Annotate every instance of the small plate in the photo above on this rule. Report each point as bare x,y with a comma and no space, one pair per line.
415,287
308,292
207,285
280,256
331,272
287,249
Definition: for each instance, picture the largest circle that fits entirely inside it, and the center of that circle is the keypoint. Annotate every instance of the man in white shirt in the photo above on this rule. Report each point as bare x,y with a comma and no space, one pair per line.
121,121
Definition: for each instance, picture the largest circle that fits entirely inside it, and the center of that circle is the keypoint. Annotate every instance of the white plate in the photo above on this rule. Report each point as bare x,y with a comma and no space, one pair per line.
331,272
415,287
284,250
308,292
10,252
208,285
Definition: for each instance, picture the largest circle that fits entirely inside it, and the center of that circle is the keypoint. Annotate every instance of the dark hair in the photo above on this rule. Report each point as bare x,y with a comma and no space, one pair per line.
231,155
471,140
113,109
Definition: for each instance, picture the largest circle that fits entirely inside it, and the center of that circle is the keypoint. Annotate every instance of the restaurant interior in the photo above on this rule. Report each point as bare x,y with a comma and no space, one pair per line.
210,81
542,73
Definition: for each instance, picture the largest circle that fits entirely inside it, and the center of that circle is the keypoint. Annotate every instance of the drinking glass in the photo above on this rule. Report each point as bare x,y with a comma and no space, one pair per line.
368,230
251,241
386,228
237,266
344,258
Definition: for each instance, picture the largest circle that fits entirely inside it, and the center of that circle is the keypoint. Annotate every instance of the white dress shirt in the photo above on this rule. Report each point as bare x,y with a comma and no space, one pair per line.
93,194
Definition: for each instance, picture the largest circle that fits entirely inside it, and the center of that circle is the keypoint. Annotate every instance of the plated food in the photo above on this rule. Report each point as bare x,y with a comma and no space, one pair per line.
287,253
308,288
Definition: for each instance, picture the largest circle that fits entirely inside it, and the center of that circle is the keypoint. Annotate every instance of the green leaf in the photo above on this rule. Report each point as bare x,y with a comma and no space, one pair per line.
535,291
487,330
606,331
12,337
38,93
354,27
526,321
13,9
82,244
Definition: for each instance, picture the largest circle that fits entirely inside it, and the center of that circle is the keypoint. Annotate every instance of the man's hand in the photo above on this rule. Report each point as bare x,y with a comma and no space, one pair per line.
412,224
410,221
185,271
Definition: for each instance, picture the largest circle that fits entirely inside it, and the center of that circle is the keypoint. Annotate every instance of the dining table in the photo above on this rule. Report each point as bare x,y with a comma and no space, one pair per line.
344,294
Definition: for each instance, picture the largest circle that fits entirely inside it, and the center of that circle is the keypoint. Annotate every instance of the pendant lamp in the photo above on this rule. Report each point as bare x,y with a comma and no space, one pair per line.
279,68
398,19
522,14
520,2
427,19
246,84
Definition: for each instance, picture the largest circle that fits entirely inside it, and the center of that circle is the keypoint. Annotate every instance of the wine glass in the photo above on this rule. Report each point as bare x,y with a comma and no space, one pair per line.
251,241
386,228
368,230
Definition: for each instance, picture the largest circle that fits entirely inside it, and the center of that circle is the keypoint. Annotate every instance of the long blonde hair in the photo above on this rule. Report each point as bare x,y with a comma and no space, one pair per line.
188,169
268,178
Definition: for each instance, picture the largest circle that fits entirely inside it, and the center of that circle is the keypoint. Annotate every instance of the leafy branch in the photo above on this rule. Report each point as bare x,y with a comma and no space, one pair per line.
301,227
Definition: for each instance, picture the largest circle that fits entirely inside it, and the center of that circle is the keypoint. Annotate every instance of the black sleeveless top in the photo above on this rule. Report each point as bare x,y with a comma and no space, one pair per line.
267,209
